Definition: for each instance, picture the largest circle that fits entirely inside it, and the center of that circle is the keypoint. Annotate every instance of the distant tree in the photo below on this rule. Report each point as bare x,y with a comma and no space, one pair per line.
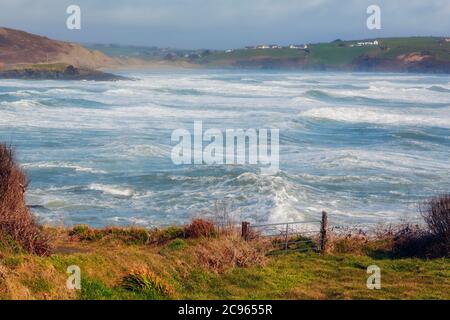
170,56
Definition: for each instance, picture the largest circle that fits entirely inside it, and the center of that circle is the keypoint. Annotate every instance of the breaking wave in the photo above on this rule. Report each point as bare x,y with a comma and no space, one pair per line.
365,147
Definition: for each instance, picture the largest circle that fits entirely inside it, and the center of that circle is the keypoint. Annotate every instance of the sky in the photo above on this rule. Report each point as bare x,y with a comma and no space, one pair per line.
223,24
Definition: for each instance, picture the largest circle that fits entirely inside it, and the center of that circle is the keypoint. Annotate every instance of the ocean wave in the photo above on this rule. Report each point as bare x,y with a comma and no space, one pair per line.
62,165
139,150
131,221
113,190
123,92
381,98
65,91
351,144
23,103
380,116
439,89
386,161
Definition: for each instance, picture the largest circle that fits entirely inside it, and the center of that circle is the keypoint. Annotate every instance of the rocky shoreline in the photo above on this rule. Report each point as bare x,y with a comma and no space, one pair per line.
60,72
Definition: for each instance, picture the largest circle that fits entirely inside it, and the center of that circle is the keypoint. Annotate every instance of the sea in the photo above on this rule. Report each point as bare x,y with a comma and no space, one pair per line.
368,148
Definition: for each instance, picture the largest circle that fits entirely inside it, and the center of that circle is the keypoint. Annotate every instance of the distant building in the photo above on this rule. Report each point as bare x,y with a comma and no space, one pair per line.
364,44
275,46
263,46
229,50
298,46
447,40
249,47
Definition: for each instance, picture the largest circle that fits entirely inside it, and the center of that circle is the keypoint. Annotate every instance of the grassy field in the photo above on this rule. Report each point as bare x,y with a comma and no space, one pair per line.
191,269
431,45
243,54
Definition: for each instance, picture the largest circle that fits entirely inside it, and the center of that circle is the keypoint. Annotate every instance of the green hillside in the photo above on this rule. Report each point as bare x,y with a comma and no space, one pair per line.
413,54
341,54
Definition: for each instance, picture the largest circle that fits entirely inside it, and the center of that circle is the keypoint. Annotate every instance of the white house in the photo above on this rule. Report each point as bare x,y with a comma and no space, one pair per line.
298,46
367,43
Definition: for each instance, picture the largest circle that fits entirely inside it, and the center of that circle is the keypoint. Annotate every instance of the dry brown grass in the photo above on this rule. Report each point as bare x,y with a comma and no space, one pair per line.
200,228
16,221
356,241
351,243
225,253
131,235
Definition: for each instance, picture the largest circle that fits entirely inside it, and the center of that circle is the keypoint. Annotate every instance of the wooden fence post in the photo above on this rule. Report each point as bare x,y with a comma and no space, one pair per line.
245,230
286,239
323,233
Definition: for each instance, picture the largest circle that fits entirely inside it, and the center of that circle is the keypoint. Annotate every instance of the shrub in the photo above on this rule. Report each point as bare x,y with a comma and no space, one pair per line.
145,280
84,232
412,241
436,213
431,241
160,236
16,220
200,228
220,255
351,243
127,235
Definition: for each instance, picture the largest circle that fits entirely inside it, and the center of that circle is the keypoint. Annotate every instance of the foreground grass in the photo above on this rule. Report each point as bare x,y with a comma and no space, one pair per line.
309,275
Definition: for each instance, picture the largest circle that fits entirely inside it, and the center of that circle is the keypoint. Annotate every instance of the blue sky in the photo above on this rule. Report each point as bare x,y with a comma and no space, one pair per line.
225,24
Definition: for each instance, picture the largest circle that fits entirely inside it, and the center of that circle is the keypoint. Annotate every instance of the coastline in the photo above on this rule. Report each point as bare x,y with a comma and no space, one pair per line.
55,71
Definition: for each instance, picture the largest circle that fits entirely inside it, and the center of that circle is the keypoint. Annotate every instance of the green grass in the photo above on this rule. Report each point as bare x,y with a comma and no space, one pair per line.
310,276
333,55
253,53
399,46
105,264
94,289
38,285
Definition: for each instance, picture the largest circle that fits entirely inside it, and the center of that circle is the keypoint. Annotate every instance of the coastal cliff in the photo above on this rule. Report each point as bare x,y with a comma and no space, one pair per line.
28,56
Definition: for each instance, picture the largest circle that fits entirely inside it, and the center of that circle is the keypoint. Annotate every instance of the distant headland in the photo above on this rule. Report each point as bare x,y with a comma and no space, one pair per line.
28,56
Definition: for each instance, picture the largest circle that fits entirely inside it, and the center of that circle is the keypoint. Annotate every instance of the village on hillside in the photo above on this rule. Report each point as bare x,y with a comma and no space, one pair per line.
302,46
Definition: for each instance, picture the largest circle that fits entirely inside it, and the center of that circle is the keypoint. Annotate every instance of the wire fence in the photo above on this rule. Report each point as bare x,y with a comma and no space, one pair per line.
290,236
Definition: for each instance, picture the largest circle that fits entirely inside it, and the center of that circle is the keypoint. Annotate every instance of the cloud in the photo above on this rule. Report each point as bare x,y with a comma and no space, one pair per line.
224,23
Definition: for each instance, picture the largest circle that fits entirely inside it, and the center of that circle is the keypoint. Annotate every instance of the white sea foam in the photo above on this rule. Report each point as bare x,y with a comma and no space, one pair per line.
382,116
63,165
24,103
324,167
114,190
